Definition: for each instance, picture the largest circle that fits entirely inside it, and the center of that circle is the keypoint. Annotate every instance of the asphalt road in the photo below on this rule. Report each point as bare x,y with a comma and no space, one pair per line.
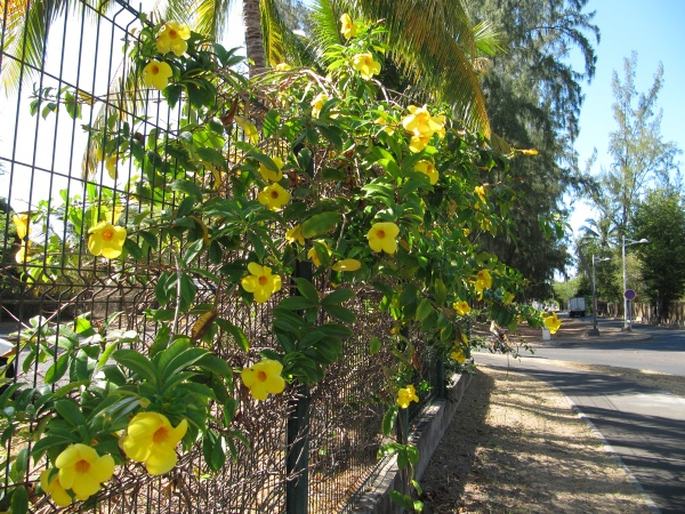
659,349
643,425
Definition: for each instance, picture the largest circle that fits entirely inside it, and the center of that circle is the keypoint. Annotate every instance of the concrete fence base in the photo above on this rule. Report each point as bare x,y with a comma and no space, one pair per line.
373,497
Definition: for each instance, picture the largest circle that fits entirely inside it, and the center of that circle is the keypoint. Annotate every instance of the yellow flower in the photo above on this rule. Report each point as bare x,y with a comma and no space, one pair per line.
106,240
483,281
383,237
480,191
151,439
458,356
406,395
269,174
273,197
172,38
22,225
428,169
294,234
263,378
313,254
82,470
111,166
281,66
418,143
365,64
260,282
508,298
156,74
347,265
421,125
530,152
347,27
461,307
318,103
54,488
22,254
552,322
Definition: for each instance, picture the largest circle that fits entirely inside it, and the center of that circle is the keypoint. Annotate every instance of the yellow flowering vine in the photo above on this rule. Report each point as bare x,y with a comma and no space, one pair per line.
152,440
173,37
106,240
366,65
263,378
347,27
156,74
82,470
383,237
260,282
406,395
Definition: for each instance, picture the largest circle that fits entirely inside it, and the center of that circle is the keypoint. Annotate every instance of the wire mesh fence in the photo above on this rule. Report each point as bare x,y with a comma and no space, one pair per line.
53,180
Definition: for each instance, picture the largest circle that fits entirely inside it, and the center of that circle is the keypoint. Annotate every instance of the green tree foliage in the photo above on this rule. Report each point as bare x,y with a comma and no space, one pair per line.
640,155
534,99
599,239
661,219
564,291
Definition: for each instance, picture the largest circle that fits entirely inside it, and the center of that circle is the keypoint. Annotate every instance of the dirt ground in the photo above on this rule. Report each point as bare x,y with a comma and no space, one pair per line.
514,446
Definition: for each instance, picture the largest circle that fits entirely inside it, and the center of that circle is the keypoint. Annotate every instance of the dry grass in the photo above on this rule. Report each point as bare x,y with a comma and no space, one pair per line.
516,445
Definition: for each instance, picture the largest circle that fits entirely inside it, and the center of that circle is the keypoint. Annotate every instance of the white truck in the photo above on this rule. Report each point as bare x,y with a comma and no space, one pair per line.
576,307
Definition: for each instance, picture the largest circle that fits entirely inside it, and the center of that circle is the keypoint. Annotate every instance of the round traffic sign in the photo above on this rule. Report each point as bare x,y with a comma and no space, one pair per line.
630,294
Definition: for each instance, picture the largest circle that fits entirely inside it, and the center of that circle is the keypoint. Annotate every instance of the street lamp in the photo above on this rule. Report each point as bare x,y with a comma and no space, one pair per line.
595,330
629,242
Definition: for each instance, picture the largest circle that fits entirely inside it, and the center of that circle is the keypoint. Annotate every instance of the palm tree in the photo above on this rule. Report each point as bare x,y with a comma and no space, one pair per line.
432,42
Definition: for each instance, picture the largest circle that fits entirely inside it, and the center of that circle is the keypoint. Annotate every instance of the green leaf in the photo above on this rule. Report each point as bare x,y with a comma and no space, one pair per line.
192,251
70,412
424,309
57,370
216,365
307,289
401,499
137,363
341,313
389,419
337,297
296,303
213,451
321,223
335,330
20,500
182,361
238,335
212,156
187,187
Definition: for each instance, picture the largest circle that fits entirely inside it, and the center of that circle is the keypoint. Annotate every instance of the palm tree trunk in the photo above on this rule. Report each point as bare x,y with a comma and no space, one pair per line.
254,46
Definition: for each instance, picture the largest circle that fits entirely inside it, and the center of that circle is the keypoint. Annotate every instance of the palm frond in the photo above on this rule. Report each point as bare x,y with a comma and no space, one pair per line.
26,33
433,43
208,17
488,40
325,25
281,44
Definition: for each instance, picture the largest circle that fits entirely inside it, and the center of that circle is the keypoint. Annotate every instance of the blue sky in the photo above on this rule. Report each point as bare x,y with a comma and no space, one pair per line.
655,30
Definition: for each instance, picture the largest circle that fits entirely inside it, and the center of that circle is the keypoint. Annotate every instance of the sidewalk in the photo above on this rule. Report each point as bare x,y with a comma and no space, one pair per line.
517,445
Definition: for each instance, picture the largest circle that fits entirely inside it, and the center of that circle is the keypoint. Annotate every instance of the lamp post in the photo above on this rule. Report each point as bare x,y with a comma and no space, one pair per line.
629,242
595,331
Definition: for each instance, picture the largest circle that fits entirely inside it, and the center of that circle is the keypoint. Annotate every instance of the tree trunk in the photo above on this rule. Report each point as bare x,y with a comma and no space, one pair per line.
254,46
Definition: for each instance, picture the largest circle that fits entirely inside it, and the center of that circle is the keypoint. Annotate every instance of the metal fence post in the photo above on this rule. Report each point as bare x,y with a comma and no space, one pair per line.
297,485
297,450
439,378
